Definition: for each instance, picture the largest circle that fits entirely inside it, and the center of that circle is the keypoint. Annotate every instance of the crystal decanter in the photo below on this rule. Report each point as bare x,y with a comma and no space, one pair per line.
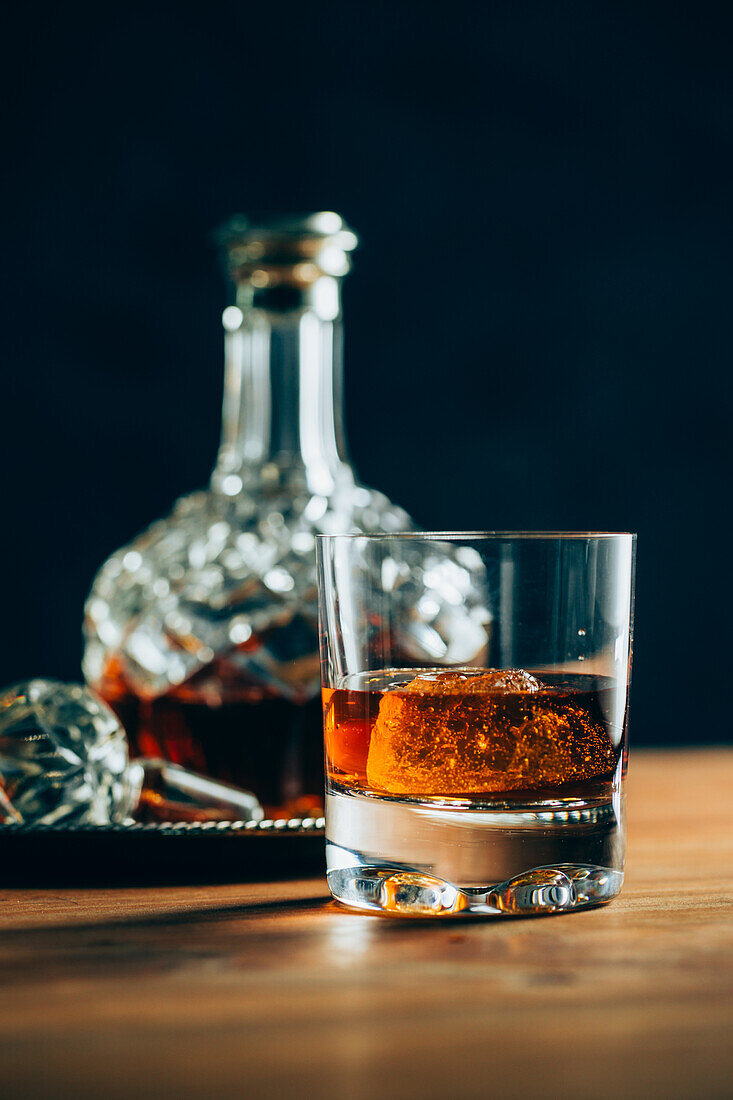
202,633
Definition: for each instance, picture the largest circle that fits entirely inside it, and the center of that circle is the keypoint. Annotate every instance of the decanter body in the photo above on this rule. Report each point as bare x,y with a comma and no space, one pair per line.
202,633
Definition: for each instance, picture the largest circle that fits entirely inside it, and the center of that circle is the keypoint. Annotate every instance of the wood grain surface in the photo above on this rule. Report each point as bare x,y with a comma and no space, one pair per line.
271,990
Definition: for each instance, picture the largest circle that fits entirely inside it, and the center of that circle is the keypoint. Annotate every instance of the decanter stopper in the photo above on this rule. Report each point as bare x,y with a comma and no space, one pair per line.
64,761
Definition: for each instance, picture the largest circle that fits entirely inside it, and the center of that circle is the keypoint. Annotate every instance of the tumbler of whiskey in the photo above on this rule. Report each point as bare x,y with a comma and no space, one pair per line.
488,786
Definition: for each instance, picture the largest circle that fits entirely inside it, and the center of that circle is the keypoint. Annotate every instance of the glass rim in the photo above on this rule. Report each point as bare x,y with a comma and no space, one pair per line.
477,535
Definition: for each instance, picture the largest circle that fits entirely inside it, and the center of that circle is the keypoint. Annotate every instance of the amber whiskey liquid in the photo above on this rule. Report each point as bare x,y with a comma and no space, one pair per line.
472,734
216,725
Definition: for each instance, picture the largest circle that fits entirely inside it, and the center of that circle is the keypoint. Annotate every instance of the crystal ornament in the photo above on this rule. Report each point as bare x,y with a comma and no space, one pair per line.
63,757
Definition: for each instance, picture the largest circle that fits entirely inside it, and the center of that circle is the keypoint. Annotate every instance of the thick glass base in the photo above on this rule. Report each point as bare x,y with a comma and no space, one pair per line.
415,858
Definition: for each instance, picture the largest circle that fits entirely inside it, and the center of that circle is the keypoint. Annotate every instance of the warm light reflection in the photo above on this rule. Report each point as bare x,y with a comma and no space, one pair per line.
348,936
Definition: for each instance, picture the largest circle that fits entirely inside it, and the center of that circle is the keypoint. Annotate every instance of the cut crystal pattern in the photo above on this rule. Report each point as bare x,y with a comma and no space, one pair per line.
224,579
229,585
63,757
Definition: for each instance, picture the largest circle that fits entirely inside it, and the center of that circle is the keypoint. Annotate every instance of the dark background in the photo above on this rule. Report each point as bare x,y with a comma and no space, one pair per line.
538,322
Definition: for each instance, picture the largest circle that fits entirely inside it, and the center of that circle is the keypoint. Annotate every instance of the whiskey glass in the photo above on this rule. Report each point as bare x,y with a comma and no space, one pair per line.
467,778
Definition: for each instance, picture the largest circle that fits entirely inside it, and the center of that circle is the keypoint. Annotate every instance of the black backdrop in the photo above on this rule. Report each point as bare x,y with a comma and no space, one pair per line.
537,323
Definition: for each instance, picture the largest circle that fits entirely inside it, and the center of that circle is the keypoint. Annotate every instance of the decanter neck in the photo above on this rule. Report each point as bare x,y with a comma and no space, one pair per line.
282,417
282,386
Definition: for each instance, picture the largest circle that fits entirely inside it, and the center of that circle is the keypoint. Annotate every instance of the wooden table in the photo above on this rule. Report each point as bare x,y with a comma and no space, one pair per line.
271,990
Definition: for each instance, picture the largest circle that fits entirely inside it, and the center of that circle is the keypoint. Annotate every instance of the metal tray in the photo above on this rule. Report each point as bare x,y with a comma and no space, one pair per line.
225,851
